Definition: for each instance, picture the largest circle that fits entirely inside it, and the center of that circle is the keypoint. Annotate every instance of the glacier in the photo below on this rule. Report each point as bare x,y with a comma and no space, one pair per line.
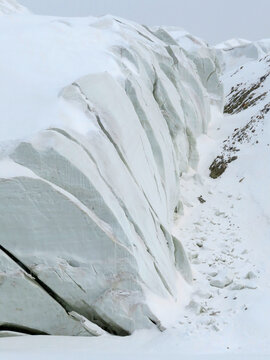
99,120
234,53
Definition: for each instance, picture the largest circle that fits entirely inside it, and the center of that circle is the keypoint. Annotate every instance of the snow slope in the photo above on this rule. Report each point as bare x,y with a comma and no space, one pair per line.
227,236
99,119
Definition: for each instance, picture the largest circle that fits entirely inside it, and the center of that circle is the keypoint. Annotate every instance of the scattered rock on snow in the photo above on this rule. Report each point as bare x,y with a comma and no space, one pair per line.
201,199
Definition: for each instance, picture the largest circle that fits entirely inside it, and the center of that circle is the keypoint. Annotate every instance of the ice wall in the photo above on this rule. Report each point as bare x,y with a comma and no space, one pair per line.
89,181
234,53
8,7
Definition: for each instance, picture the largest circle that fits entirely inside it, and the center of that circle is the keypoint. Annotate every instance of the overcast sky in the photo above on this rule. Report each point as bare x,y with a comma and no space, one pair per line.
212,20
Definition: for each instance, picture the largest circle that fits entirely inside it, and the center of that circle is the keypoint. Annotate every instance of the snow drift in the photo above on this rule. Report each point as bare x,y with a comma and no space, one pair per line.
99,119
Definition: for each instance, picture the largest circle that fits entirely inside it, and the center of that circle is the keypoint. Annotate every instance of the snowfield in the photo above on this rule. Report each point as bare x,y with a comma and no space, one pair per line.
131,203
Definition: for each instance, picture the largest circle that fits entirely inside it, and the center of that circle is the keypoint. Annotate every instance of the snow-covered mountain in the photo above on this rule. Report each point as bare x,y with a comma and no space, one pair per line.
99,119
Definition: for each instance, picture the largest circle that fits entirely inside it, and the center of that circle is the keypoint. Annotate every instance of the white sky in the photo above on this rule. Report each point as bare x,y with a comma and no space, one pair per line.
212,20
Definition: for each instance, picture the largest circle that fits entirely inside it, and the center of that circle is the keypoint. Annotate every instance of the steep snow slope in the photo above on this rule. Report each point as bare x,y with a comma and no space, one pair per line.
99,119
226,234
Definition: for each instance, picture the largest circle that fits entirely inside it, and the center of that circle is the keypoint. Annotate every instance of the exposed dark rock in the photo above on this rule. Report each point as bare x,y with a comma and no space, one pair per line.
201,199
241,98
219,165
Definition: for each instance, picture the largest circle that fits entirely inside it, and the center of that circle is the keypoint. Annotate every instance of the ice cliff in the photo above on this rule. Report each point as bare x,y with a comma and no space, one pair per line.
99,119
11,7
234,53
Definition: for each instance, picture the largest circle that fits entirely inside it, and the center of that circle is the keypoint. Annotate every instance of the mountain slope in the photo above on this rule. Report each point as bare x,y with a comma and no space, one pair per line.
226,235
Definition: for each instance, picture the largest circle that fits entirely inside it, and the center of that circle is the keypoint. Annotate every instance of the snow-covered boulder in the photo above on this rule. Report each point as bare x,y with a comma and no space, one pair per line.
99,118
